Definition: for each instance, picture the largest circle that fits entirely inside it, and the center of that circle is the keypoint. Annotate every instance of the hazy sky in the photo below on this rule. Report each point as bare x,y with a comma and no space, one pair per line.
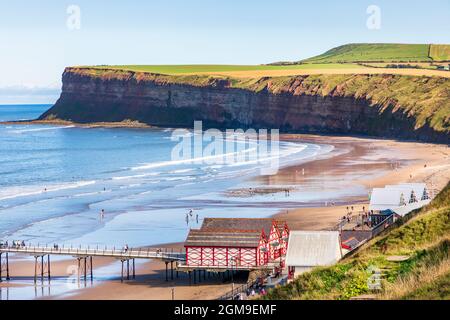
36,43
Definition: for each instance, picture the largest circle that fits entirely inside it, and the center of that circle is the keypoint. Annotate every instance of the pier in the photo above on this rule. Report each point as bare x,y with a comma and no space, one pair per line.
84,256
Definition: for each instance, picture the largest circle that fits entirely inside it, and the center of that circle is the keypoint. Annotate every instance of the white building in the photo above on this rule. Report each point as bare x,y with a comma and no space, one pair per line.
310,249
385,199
400,199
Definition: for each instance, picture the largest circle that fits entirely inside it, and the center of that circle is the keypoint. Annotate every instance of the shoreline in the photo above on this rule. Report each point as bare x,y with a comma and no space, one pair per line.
122,124
366,162
312,136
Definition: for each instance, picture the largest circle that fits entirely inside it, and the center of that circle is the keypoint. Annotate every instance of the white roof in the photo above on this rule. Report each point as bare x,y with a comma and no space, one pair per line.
404,210
418,188
383,199
313,248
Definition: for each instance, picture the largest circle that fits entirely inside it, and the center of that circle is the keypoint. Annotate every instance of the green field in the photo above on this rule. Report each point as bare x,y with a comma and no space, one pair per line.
343,57
374,53
440,52
187,69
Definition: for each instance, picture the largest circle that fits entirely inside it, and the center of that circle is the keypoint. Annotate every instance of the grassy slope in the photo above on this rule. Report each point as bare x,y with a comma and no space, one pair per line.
438,289
189,69
382,53
425,238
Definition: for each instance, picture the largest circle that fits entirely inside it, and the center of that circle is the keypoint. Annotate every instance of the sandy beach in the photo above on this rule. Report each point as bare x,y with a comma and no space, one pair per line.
360,161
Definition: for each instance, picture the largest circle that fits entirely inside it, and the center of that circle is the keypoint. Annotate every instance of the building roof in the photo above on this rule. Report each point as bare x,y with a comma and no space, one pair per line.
395,196
420,189
238,224
230,232
313,248
223,238
350,243
404,210
383,199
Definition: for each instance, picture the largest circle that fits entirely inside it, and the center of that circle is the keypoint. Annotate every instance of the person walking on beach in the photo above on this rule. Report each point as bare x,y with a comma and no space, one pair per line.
102,214
196,217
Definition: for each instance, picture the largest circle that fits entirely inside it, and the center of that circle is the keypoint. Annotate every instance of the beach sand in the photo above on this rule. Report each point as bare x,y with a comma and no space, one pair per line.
387,161
397,162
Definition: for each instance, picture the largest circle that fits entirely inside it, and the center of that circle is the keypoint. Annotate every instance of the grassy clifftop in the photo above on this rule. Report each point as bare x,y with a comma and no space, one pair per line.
425,239
383,52
424,99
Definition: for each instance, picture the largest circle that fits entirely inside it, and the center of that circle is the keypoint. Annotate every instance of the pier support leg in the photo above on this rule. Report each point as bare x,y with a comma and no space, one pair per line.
85,268
126,264
171,270
121,278
92,269
35,268
195,280
41,267
48,267
167,272
4,265
190,278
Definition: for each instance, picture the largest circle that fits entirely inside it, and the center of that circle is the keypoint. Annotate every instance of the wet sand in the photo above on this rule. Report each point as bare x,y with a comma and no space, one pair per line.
366,162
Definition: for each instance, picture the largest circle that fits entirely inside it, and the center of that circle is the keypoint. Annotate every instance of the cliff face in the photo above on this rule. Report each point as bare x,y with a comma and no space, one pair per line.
351,104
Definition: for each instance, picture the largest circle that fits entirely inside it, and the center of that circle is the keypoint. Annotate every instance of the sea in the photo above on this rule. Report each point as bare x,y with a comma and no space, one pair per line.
107,187
56,180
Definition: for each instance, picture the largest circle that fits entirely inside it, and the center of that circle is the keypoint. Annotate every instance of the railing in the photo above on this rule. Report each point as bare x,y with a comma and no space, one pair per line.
164,253
361,219
382,225
243,288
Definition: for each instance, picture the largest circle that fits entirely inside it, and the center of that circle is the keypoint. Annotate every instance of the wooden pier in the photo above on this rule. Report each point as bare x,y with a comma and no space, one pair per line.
84,256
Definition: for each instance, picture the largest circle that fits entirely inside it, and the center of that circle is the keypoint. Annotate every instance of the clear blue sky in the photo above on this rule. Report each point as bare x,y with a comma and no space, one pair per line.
36,45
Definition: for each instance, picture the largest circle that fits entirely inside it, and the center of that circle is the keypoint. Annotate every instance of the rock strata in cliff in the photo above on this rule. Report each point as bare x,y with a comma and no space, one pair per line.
393,106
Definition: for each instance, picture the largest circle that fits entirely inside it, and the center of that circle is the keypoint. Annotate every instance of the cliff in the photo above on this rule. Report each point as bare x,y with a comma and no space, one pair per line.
394,106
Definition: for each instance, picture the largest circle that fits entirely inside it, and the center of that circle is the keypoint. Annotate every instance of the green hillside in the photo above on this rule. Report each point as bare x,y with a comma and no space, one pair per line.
383,52
425,239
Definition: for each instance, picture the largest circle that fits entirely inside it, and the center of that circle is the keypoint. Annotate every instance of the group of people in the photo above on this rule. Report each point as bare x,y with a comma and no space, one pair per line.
257,288
15,244
253,290
190,215
363,218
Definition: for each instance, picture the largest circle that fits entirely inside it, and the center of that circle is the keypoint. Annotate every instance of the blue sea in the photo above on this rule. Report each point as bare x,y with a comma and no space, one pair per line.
55,181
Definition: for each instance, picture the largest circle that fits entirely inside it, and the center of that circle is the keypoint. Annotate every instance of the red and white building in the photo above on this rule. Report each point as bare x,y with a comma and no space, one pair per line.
229,243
